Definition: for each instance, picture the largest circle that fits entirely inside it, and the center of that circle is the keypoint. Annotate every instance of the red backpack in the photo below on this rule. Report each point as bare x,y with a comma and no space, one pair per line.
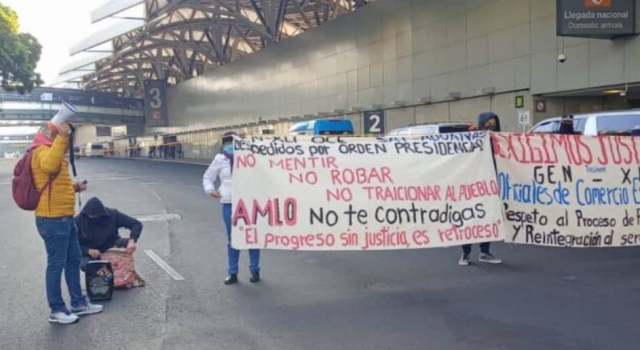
25,193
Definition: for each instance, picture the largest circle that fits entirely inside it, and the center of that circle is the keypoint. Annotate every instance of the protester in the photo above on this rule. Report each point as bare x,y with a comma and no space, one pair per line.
222,168
54,220
179,151
491,122
566,125
98,230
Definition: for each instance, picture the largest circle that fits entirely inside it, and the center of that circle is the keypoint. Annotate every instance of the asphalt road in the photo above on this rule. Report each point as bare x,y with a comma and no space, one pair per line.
541,298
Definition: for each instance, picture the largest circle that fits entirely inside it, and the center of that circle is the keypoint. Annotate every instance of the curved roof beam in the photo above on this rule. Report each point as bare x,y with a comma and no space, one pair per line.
185,38
159,44
69,77
126,63
107,35
169,27
152,24
113,7
73,66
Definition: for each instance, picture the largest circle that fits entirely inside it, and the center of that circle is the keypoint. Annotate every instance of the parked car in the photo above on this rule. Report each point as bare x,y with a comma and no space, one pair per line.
431,129
595,123
323,127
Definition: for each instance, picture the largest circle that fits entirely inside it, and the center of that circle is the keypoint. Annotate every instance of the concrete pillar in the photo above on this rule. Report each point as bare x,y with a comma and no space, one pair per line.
437,112
504,105
467,110
399,117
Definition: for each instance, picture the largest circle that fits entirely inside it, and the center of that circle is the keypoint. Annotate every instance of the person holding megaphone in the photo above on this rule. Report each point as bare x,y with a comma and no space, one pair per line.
54,217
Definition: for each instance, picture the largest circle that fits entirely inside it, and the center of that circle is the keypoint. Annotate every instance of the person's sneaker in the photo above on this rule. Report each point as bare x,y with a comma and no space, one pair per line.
488,258
63,317
464,260
87,309
255,277
231,279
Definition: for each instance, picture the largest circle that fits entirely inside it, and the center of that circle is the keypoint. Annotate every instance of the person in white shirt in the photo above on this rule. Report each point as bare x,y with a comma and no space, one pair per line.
222,168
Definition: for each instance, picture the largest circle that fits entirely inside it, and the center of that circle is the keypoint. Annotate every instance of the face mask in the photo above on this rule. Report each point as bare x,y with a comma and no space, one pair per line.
228,149
491,126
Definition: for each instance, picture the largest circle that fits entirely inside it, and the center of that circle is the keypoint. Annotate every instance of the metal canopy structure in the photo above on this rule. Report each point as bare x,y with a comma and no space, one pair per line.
181,39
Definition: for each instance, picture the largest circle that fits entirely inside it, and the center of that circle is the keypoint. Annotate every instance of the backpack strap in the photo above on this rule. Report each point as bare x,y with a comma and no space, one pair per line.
49,186
49,183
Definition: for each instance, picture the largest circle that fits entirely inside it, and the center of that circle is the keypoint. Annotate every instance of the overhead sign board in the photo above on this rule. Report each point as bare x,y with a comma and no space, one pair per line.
155,102
602,19
374,122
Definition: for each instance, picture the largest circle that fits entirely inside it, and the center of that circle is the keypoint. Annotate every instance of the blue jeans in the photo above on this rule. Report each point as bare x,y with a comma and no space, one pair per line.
60,237
234,254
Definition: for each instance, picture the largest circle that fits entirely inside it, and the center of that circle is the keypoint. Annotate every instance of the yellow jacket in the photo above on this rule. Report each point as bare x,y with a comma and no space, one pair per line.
58,200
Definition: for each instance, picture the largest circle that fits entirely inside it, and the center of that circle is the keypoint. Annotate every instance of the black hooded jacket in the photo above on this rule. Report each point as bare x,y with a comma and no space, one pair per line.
482,119
101,232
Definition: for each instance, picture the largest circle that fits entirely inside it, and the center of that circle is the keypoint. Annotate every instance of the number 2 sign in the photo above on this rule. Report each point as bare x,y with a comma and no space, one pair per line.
374,122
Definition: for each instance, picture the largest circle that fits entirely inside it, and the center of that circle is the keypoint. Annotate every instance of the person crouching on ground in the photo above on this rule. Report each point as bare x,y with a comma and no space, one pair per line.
222,167
54,220
98,230
490,122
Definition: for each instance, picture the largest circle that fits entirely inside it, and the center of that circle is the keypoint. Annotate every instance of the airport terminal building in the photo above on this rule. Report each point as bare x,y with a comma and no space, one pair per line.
415,61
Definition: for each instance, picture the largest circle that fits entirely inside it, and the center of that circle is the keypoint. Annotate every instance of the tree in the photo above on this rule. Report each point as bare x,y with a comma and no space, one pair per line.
19,55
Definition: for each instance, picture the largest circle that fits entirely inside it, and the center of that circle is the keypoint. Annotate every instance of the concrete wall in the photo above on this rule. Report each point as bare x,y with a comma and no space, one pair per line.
404,50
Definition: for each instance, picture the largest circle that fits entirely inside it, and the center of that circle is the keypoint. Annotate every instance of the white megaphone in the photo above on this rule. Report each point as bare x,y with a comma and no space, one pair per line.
66,111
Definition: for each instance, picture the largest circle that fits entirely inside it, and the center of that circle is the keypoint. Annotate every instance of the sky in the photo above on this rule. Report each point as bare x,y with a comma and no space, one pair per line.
57,25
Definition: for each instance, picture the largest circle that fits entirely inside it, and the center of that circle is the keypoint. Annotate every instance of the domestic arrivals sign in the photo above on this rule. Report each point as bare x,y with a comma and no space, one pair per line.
347,193
570,190
603,19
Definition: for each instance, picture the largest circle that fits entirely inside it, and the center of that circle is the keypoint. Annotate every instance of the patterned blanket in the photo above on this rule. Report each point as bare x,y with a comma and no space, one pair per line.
124,272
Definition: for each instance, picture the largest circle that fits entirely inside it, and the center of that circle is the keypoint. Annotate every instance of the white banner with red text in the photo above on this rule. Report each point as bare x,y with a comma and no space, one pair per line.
569,190
351,193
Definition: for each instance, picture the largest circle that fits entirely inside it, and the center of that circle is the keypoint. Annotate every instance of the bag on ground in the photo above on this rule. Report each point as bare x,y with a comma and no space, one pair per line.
124,272
99,280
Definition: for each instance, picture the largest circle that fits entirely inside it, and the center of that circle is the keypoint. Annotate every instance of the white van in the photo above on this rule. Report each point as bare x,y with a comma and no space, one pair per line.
94,150
430,129
595,123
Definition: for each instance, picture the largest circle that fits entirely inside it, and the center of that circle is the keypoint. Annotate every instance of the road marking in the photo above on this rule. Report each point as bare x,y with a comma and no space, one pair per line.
104,174
119,178
163,265
94,179
159,217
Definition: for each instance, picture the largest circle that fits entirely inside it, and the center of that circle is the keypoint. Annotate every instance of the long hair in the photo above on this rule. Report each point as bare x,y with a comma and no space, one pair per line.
227,137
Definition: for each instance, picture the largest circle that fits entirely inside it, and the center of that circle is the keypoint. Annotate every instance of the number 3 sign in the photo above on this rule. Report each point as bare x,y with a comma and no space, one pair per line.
155,102
374,122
